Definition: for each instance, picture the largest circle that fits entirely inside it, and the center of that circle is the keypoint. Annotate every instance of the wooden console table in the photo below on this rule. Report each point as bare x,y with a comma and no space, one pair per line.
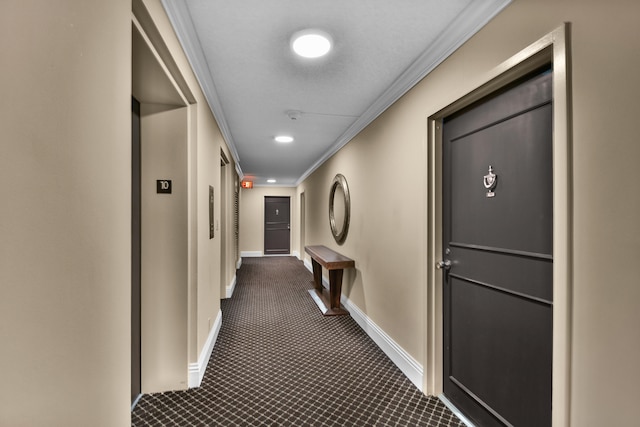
335,263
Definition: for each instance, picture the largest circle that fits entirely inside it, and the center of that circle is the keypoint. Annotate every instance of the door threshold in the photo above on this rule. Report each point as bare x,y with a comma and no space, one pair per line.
455,411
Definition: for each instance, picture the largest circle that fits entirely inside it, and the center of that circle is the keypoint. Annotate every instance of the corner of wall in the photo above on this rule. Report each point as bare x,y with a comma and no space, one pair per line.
197,370
231,287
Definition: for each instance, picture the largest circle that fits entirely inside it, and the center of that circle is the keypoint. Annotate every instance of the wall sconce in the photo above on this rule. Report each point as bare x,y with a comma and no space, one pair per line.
247,184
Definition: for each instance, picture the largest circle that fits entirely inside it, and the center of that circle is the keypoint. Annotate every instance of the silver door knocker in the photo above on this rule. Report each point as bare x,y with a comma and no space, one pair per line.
490,181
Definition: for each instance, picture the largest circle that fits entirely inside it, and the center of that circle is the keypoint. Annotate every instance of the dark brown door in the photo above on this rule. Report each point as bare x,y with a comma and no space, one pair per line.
276,225
498,233
135,250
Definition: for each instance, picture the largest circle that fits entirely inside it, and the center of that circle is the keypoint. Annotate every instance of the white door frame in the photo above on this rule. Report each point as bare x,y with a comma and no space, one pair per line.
551,49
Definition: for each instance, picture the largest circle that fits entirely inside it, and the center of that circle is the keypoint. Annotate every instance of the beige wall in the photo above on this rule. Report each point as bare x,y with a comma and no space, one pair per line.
165,252
167,255
208,276
252,217
229,184
204,161
385,231
65,213
387,235
65,262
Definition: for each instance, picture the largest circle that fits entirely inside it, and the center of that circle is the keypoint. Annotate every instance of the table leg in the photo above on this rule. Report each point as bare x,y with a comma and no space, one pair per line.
317,275
335,287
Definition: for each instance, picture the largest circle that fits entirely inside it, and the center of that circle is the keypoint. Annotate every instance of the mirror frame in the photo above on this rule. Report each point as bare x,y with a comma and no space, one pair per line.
339,235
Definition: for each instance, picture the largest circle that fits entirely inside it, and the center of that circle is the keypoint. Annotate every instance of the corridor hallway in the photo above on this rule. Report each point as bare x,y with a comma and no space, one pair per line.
279,362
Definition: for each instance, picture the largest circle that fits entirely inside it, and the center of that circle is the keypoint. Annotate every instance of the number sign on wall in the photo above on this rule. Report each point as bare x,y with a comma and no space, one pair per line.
163,186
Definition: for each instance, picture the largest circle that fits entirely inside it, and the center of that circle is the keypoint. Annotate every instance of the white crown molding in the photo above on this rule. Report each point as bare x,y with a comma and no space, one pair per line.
197,370
180,18
464,26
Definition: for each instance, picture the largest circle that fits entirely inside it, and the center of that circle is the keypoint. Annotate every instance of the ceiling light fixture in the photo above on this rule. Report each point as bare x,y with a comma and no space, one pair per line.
311,43
271,181
283,139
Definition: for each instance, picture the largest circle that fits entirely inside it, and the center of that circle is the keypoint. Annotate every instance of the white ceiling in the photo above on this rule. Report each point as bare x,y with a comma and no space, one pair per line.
240,53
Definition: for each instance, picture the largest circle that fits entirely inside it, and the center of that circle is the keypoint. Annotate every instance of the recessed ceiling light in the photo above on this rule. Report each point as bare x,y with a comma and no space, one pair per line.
271,181
283,138
311,43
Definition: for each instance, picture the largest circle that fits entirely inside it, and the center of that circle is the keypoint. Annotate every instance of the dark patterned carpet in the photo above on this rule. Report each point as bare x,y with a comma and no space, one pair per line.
279,362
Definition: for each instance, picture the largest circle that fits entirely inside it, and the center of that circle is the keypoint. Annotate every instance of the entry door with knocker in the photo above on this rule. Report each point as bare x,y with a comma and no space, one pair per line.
498,257
276,225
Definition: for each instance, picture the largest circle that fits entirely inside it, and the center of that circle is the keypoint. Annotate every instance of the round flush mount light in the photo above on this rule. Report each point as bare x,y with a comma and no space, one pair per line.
283,138
311,43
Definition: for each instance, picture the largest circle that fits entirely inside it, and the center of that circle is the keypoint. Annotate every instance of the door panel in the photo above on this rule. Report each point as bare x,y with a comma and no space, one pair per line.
485,267
498,350
498,293
276,225
519,217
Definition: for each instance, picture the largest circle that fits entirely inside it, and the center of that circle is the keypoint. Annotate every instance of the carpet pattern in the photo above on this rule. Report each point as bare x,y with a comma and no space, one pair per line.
279,362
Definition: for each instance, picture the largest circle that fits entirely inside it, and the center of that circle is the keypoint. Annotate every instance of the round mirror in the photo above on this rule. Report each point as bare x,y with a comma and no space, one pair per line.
339,208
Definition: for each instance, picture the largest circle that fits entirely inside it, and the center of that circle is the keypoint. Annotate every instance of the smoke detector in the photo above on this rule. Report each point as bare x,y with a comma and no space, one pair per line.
294,114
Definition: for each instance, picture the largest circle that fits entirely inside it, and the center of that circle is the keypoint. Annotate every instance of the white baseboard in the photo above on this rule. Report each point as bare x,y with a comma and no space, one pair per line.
230,287
251,254
403,360
296,254
196,370
239,263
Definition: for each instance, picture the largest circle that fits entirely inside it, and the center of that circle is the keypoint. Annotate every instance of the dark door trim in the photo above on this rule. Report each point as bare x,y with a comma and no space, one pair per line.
551,49
136,255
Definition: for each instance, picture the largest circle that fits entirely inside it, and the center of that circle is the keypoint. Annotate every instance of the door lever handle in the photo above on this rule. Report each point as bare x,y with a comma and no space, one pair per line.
444,265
